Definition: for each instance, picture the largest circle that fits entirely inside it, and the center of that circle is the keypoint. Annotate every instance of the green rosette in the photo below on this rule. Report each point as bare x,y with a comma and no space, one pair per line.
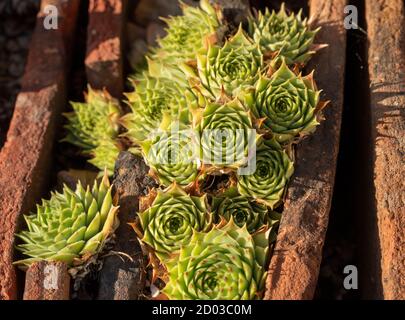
105,155
172,155
70,226
287,103
227,69
170,220
226,135
153,96
227,263
244,211
188,33
269,181
286,36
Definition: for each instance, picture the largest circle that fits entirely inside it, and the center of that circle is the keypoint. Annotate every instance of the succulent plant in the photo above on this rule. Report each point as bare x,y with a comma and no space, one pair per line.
242,209
160,90
229,68
283,35
226,135
273,170
225,263
70,226
93,124
188,33
287,103
171,154
168,223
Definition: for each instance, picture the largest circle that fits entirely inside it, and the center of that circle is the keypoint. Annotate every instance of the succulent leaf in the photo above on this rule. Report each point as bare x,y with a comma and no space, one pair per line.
287,103
172,155
273,170
226,263
70,226
172,217
287,36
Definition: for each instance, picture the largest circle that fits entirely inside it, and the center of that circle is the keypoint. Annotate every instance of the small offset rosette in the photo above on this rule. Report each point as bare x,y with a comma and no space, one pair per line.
268,183
243,210
172,154
188,33
93,126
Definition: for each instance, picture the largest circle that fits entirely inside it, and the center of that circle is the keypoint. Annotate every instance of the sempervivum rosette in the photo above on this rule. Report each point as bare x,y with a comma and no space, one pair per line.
287,36
172,155
171,218
152,97
226,135
273,170
287,103
242,209
70,226
227,263
94,124
189,32
228,68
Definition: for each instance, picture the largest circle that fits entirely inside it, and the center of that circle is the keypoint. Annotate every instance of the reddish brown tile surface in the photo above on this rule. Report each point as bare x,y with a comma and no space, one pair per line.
385,21
47,281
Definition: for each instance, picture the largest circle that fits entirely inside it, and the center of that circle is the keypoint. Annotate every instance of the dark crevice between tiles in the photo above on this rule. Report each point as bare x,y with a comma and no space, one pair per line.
351,236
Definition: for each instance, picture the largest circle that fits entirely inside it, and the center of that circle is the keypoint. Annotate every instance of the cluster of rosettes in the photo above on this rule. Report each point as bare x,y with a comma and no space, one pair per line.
248,106
215,114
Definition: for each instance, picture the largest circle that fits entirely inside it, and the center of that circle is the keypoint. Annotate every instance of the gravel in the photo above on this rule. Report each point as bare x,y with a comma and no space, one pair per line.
17,21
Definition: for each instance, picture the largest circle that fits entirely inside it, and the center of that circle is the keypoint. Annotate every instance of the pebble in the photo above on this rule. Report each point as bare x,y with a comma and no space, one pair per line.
26,7
13,27
19,7
17,58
